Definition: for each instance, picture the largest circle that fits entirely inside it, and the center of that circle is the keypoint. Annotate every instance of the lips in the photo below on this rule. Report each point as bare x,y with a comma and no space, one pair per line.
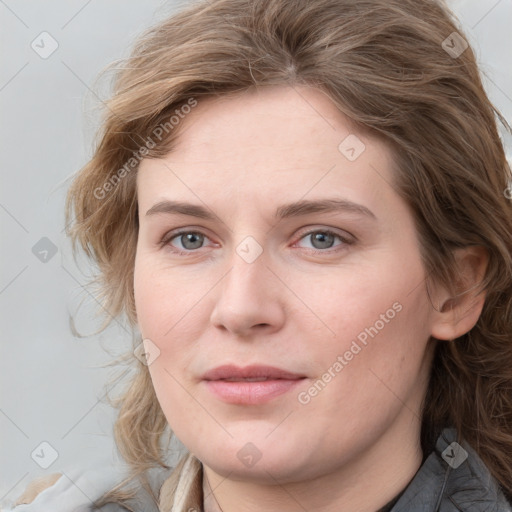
252,373
252,385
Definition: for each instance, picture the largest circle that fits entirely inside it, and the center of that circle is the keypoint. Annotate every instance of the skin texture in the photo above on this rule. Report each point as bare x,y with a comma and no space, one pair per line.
298,306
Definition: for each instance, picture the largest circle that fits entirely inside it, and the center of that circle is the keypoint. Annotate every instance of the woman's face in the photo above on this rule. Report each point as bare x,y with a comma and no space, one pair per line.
289,252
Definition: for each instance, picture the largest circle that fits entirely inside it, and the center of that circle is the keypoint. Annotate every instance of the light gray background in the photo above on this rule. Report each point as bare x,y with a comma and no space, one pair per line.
51,383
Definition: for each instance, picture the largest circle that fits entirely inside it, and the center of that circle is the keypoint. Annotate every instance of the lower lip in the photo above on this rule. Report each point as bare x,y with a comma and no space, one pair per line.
250,393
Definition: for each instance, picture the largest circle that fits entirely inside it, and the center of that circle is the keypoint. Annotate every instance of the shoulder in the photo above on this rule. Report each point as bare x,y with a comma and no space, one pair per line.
52,492
453,478
44,494
69,490
469,483
35,487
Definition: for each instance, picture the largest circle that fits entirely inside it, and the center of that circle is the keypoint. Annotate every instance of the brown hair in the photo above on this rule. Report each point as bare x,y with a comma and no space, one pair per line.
387,66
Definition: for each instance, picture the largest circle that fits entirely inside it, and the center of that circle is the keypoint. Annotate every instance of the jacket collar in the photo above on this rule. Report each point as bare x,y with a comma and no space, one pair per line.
453,475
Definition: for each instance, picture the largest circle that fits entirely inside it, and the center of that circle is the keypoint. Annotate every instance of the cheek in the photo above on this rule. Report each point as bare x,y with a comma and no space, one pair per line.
169,313
351,304
160,305
162,296
383,364
374,333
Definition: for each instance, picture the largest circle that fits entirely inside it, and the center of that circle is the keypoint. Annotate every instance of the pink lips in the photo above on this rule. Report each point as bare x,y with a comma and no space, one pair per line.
250,385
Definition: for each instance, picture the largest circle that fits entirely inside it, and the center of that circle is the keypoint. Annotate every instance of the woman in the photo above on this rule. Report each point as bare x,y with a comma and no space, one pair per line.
302,208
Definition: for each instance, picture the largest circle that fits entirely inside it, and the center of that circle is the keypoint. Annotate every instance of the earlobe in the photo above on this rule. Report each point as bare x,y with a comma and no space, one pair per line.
457,315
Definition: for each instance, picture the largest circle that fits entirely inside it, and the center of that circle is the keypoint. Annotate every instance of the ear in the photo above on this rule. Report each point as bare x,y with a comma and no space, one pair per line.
456,316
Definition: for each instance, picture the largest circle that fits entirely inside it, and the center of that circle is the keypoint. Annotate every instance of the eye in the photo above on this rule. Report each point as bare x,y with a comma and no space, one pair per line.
322,239
188,240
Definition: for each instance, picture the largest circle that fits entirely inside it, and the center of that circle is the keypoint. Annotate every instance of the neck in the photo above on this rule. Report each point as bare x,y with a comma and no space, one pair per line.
366,484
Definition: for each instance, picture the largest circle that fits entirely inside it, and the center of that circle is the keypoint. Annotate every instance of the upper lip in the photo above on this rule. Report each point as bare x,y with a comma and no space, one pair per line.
249,372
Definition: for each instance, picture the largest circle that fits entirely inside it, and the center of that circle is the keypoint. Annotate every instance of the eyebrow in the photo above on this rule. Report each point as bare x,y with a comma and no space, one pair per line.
296,209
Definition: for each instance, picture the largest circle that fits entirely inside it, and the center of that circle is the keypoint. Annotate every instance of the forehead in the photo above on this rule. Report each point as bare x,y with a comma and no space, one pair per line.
277,142
269,118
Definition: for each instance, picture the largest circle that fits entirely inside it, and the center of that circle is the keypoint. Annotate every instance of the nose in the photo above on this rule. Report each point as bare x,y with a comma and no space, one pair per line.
249,299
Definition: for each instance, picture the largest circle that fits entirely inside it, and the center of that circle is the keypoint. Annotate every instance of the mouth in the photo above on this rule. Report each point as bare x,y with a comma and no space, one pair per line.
251,385
253,379
252,373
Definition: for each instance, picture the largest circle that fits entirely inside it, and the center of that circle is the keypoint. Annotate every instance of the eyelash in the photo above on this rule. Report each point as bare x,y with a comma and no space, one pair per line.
166,241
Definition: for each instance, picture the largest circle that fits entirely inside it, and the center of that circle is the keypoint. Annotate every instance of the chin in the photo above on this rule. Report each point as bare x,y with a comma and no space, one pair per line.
263,472
261,461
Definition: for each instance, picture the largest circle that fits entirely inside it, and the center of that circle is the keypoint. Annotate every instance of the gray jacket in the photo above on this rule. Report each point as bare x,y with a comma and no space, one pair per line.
452,479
